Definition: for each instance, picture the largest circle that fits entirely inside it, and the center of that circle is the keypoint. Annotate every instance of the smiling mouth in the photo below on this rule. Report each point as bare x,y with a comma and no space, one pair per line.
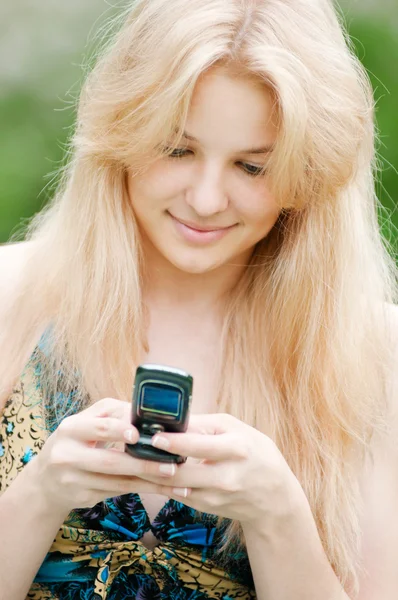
197,235
196,227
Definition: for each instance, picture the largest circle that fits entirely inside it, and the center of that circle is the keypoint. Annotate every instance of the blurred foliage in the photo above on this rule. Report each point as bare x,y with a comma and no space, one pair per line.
375,39
34,131
32,139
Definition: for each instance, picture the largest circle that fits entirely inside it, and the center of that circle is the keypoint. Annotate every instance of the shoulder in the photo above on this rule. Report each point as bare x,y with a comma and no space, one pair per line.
380,489
391,378
13,258
16,340
391,321
391,313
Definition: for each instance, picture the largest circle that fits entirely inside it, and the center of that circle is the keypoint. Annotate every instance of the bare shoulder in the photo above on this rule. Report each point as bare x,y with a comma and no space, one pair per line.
391,311
380,493
14,260
392,368
13,257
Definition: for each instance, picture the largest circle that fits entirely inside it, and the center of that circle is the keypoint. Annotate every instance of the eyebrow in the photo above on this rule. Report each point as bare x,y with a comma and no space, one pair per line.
262,150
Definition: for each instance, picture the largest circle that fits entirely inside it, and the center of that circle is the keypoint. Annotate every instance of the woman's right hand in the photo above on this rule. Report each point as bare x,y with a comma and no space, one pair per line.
75,470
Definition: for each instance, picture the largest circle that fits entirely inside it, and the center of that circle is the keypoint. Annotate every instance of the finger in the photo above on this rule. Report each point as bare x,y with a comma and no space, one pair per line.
104,429
192,475
212,424
113,462
110,407
115,485
203,499
225,446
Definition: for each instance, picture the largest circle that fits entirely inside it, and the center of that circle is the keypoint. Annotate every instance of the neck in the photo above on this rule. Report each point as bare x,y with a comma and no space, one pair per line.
167,286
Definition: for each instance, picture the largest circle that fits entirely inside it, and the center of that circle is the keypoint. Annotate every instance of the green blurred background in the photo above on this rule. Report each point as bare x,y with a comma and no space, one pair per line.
43,46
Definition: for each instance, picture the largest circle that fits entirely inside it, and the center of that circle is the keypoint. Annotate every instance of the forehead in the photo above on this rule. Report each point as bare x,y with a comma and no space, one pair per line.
232,111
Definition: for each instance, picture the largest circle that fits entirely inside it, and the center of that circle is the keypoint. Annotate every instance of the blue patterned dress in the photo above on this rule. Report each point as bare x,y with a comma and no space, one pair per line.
97,553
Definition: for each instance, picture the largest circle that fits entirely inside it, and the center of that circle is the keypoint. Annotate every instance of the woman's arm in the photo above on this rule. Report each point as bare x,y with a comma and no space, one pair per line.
380,492
72,470
28,525
291,563
20,332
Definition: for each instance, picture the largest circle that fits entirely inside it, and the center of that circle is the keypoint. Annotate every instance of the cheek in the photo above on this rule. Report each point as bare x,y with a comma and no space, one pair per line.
158,183
257,207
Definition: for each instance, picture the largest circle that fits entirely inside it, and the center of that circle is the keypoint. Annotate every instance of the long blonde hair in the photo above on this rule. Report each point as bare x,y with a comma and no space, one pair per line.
304,347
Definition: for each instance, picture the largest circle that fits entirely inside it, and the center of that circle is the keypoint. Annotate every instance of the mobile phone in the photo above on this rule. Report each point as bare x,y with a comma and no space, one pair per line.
161,400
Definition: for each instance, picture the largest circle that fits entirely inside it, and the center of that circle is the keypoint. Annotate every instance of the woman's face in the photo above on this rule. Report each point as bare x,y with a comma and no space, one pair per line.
205,207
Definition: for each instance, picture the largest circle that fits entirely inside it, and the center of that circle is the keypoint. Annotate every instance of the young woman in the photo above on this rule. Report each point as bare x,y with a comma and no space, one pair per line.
217,214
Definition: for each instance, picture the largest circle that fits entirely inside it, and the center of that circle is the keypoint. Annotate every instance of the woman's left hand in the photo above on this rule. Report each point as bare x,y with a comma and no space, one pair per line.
239,472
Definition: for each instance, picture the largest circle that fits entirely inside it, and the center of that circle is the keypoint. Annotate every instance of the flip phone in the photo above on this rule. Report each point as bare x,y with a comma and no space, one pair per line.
161,400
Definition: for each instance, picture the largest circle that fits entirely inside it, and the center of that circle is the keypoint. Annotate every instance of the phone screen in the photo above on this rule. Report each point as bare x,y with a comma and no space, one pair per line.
161,399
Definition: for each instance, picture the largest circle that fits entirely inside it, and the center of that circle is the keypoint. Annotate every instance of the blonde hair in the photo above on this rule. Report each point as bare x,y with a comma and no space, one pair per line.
303,335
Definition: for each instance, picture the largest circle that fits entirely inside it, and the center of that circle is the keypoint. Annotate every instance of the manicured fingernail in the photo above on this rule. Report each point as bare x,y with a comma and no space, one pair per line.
129,435
181,492
167,468
160,442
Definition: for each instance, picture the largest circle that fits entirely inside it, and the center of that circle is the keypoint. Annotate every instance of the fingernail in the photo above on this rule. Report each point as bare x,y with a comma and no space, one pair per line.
181,492
167,468
129,435
160,442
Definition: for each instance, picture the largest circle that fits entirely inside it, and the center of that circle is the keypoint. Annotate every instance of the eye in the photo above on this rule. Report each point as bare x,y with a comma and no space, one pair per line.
177,152
252,170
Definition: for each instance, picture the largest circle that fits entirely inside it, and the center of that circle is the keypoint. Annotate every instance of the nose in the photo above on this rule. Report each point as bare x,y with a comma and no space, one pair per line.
207,195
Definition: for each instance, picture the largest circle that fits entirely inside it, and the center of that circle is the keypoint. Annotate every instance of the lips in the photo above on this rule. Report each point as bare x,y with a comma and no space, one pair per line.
197,227
197,235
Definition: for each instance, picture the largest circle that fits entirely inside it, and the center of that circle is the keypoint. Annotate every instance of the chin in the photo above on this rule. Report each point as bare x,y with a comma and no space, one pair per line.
195,266
195,269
